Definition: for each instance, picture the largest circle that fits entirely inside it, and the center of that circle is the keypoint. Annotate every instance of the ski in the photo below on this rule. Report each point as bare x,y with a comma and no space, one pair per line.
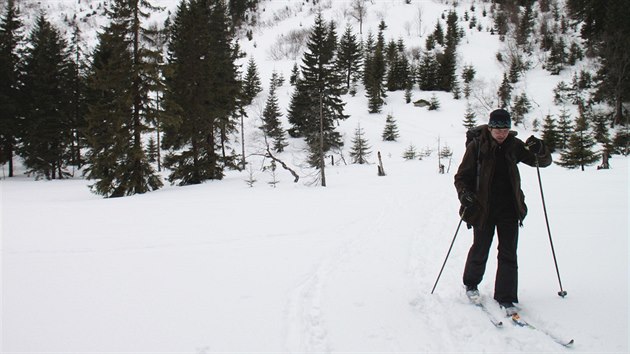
476,301
518,321
493,319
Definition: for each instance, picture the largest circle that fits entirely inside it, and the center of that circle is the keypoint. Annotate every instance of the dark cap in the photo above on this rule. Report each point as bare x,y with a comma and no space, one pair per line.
500,118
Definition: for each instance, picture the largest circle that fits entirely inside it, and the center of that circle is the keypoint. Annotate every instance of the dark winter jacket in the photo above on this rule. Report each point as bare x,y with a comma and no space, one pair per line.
486,147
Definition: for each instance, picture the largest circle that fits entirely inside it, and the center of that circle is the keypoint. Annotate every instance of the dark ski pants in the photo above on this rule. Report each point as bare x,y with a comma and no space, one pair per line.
506,281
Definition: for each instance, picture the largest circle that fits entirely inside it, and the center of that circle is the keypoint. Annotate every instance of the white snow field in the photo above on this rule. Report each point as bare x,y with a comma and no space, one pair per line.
224,268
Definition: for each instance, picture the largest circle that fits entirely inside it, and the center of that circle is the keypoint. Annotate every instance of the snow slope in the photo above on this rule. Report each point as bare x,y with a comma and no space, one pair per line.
222,267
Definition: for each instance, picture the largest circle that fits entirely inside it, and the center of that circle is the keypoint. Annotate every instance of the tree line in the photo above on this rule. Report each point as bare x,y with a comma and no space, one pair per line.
61,108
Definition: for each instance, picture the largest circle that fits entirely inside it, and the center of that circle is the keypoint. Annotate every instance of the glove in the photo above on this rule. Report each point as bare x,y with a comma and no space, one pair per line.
535,145
468,199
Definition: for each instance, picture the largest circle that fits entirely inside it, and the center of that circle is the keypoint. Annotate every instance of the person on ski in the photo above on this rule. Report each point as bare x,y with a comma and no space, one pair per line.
488,185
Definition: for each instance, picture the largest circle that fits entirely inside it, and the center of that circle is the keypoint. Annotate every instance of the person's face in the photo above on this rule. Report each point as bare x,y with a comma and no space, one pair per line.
499,134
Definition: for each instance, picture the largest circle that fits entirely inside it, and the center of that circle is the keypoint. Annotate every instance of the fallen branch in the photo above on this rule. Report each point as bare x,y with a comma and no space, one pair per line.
284,165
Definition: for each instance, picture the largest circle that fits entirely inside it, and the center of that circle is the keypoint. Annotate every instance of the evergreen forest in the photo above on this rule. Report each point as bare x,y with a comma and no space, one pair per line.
169,100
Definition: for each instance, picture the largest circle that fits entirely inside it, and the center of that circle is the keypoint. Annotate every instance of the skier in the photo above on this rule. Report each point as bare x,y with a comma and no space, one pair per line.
489,189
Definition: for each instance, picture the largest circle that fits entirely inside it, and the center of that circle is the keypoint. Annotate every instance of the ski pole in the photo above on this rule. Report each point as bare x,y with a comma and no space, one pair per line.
562,292
449,251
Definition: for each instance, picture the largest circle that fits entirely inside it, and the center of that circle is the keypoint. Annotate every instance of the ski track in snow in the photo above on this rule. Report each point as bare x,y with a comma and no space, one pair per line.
307,330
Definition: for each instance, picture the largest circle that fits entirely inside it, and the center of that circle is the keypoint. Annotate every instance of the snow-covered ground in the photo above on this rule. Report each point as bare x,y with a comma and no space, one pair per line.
222,267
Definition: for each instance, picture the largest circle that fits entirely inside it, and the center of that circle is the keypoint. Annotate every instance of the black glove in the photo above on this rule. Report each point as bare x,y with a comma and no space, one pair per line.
468,199
535,145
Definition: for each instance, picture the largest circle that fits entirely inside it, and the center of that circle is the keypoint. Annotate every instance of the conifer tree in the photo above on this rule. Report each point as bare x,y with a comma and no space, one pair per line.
565,128
550,133
438,33
525,26
606,29
409,90
201,92
368,47
399,75
316,103
120,79
108,131
77,95
225,105
374,75
360,147
520,109
446,70
505,92
47,127
349,56
295,74
452,31
390,133
468,75
556,58
238,11
410,153
434,103
469,117
600,128
271,120
10,81
579,151
277,80
251,85
428,72
152,150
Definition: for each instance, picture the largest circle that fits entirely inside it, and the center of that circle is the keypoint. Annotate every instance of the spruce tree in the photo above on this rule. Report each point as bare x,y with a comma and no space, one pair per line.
271,121
505,92
434,103
316,103
468,74
606,30
579,151
550,133
390,133
399,75
360,147
525,26
428,72
452,30
447,61
438,33
47,126
469,117
368,47
108,119
520,109
374,75
121,76
251,85
295,74
77,87
565,128
411,153
202,90
225,105
11,38
556,58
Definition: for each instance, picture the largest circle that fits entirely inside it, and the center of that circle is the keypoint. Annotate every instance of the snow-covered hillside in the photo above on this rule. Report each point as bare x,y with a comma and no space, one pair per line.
225,267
